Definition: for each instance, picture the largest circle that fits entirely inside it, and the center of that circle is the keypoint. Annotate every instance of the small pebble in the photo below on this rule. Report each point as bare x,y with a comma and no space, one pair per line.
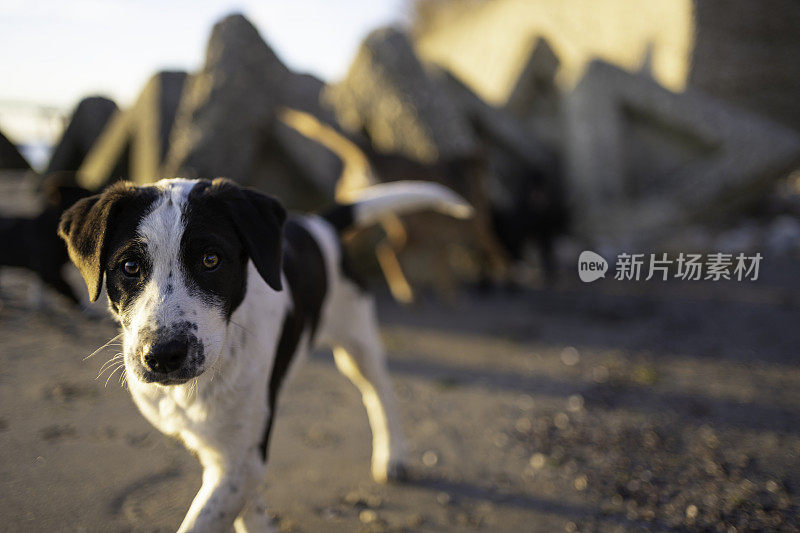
575,403
415,520
331,513
352,498
537,460
570,356
368,516
500,440
525,402
523,425
430,458
691,512
600,374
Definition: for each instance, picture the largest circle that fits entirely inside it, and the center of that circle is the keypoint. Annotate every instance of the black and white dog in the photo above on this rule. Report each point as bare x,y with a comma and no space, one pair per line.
218,296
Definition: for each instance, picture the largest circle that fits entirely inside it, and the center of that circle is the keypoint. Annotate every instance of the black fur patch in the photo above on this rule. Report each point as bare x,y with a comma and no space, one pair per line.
257,218
207,229
304,268
122,290
236,224
96,228
341,217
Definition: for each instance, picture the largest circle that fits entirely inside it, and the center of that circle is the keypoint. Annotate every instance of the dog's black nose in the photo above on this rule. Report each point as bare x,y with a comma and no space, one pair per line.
166,356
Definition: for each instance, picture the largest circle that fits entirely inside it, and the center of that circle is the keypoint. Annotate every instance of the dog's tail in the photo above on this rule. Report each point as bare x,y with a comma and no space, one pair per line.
370,204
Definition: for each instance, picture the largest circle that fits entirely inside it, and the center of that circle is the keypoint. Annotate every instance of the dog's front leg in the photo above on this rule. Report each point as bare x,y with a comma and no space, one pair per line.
223,495
255,518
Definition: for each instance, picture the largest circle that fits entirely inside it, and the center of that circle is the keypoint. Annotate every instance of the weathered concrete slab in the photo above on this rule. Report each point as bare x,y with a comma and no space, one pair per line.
536,99
495,126
135,141
85,126
10,158
388,94
746,53
227,122
641,159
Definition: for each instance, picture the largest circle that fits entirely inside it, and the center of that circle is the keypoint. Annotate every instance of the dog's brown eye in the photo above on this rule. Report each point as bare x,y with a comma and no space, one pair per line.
131,268
210,261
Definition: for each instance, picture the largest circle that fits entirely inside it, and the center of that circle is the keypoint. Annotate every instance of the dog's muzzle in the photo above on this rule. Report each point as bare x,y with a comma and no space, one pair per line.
166,357
169,355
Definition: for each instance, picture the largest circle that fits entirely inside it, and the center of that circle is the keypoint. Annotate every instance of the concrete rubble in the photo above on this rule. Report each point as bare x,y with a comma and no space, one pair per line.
642,159
135,141
227,123
84,128
10,158
616,159
388,94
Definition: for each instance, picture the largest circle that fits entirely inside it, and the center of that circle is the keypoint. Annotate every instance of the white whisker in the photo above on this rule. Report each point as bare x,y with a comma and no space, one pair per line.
112,373
108,343
117,357
115,366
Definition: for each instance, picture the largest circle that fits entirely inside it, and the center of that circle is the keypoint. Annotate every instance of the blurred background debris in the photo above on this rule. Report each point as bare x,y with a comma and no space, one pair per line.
655,127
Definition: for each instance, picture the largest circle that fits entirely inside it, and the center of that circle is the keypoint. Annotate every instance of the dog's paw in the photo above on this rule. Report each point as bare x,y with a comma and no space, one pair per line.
394,472
397,472
256,522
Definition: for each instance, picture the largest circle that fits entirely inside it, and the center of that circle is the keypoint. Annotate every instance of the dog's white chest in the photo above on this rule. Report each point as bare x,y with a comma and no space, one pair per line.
170,411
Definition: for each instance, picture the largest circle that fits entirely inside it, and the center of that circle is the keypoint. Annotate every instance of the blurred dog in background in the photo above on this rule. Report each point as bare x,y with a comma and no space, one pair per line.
33,243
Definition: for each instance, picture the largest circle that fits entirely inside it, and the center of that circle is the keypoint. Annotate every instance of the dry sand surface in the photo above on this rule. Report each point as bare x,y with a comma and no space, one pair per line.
582,408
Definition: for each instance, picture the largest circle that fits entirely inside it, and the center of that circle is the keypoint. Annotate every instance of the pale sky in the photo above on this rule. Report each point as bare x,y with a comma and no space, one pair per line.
54,53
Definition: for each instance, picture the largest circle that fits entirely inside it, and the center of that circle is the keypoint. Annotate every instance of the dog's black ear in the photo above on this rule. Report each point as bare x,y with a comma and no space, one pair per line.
258,219
86,227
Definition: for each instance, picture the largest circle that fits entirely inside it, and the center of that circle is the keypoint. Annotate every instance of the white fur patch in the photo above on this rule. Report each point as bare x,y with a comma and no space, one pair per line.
165,301
398,197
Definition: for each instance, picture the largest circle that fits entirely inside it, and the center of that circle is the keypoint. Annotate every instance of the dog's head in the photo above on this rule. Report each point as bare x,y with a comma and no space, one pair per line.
174,257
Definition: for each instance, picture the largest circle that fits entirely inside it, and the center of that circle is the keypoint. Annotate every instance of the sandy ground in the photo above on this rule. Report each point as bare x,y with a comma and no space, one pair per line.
585,407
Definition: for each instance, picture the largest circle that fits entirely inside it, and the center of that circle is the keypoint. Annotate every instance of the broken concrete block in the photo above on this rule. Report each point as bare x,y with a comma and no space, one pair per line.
746,54
641,159
536,99
388,94
10,158
85,126
134,142
227,122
